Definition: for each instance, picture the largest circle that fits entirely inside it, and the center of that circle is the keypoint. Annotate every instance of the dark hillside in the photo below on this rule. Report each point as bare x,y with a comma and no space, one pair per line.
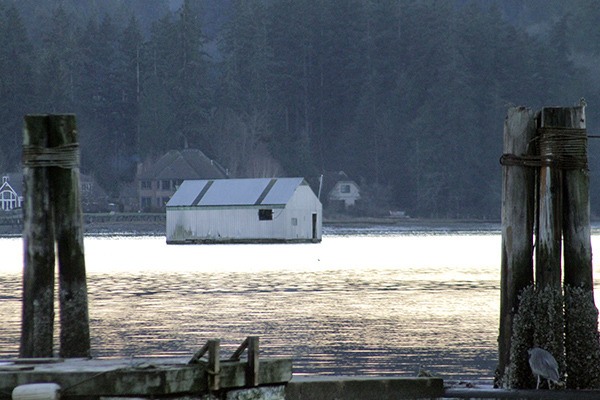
407,98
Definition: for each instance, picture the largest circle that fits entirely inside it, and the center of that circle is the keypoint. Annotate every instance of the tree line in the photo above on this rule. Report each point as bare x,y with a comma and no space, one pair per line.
407,97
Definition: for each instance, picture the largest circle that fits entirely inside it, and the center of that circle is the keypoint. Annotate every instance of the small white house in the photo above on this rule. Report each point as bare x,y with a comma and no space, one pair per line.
346,192
260,210
10,194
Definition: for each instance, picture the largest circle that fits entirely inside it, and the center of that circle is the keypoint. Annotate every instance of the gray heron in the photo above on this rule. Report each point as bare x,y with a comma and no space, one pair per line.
543,365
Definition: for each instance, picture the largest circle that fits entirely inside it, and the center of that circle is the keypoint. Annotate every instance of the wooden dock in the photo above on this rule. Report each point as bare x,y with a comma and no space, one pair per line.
147,377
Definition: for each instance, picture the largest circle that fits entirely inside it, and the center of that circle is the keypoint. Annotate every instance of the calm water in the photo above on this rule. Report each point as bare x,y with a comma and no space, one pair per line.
366,302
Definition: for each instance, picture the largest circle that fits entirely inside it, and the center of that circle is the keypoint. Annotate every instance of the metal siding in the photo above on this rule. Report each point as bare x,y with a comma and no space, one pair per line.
301,206
178,227
234,224
218,224
294,210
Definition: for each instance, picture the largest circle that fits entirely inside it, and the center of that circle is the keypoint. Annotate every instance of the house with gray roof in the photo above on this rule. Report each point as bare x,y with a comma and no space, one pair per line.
258,210
157,182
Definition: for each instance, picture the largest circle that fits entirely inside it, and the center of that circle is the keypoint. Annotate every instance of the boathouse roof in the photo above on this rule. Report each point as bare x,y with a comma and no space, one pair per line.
235,192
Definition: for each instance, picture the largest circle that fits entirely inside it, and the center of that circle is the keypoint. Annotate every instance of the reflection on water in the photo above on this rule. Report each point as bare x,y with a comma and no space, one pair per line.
357,304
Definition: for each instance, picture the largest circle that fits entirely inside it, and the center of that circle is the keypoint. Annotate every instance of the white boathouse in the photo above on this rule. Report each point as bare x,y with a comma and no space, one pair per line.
261,210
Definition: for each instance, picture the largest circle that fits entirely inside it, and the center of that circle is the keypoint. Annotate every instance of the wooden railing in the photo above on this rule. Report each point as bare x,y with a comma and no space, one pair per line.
212,349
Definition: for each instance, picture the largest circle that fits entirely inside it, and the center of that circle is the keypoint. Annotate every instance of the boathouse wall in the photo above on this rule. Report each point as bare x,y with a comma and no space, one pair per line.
294,217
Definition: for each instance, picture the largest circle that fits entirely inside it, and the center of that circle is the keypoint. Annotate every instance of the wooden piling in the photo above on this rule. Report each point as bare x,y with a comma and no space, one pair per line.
37,324
562,322
581,336
577,247
517,224
68,227
53,214
549,220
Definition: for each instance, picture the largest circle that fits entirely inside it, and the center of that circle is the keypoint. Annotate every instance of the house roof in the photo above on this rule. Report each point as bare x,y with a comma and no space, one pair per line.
184,164
235,192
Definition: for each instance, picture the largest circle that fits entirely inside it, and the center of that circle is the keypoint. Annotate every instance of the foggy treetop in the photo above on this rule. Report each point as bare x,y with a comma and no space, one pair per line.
407,97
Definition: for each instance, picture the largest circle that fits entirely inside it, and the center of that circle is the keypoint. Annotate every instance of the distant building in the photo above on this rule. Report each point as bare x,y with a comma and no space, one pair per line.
11,191
346,192
244,210
158,181
93,197
342,192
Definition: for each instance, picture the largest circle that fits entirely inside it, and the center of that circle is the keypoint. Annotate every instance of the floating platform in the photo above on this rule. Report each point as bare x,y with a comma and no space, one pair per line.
241,241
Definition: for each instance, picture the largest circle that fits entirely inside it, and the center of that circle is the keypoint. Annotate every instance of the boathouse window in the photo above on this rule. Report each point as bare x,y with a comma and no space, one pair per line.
345,189
294,221
265,215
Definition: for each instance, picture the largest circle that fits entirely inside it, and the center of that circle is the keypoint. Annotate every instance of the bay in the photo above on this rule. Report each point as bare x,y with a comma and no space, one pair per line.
361,302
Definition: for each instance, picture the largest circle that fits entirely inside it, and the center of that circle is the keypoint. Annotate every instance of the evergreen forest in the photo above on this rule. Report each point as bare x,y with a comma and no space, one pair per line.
407,97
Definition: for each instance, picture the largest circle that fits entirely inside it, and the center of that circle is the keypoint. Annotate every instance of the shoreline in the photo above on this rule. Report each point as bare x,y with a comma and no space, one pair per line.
134,224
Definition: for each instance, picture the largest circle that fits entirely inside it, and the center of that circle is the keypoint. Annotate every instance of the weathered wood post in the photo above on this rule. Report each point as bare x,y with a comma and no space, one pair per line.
560,319
52,204
251,344
549,220
37,323
253,367
214,364
68,228
576,200
517,224
549,315
582,345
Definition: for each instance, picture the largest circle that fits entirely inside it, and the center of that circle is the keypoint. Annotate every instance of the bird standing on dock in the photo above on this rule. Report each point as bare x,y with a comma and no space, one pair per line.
543,365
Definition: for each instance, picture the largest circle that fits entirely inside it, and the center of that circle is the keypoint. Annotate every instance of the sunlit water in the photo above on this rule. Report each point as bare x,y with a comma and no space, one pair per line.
361,302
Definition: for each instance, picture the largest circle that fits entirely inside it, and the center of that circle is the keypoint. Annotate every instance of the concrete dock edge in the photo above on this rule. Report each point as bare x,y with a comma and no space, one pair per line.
363,388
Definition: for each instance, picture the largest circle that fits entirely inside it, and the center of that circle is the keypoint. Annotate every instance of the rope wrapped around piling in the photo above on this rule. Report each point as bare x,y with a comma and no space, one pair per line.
64,156
562,148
